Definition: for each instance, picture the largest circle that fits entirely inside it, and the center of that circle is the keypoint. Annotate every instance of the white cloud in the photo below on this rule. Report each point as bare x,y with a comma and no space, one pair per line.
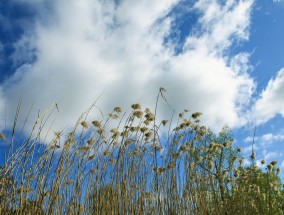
266,139
277,1
270,155
24,50
271,101
220,23
87,47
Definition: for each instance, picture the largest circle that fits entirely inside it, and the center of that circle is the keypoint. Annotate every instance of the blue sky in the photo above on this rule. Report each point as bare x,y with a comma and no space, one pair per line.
223,58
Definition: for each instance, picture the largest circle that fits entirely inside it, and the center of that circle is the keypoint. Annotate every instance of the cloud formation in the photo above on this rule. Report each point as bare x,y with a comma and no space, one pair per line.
271,101
80,49
266,139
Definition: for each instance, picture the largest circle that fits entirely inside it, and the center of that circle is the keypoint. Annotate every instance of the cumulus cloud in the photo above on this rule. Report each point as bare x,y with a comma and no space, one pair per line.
84,48
271,101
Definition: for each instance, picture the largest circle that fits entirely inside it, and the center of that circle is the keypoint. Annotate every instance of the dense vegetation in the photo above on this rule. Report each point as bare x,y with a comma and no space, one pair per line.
135,164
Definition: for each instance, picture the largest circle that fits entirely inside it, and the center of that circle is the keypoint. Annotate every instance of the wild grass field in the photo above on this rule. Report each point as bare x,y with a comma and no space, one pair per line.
139,166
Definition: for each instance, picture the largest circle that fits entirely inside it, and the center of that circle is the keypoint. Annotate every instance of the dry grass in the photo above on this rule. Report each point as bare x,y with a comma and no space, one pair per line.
141,167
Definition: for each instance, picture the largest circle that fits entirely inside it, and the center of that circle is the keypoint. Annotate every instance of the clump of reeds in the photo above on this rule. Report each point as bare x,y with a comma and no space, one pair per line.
135,167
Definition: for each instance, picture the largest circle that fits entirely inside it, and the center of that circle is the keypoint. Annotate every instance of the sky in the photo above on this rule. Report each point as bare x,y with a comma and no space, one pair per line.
222,58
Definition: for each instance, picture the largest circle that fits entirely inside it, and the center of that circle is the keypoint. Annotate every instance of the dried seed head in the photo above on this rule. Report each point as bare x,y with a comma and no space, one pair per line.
150,116
91,141
273,163
127,142
143,129
2,136
96,123
156,169
192,165
106,153
239,150
84,124
115,135
117,109
159,148
263,162
225,144
164,122
269,167
196,115
132,129
162,169
91,157
113,130
138,114
199,159
253,155
100,131
112,160
171,165
148,134
202,131
124,133
146,122
136,106
113,116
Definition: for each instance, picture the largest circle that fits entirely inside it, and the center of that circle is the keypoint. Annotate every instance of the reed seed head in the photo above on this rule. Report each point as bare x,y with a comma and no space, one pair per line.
96,123
136,106
199,159
269,167
253,155
138,114
84,124
164,122
2,136
150,116
273,163
107,152
196,115
117,109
